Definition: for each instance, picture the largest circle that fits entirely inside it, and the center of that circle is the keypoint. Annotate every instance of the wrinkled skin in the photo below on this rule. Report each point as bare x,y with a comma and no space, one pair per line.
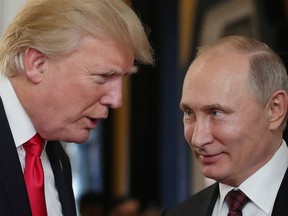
230,132
66,96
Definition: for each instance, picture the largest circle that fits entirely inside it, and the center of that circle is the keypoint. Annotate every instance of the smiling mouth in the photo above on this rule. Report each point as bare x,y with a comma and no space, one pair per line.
209,158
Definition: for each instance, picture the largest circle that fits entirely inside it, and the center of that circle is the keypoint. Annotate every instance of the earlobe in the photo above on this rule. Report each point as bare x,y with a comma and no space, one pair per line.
33,65
278,109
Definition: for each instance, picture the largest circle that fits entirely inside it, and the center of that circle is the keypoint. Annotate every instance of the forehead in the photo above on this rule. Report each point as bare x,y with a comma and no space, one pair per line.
216,77
105,52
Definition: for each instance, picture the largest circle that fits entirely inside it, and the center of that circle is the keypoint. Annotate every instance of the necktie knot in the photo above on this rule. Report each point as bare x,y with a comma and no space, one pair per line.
236,200
34,146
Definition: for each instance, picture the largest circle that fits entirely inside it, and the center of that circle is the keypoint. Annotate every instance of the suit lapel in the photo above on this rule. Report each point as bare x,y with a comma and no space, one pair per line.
212,197
280,207
62,175
11,175
201,204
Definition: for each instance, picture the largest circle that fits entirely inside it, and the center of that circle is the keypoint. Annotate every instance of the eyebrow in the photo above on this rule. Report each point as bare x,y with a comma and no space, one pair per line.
133,70
216,106
184,106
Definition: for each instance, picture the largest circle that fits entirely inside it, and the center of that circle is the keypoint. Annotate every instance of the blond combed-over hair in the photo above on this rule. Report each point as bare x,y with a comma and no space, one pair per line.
54,27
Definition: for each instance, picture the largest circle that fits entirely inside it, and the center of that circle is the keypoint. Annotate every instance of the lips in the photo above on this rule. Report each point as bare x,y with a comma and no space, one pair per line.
209,158
92,122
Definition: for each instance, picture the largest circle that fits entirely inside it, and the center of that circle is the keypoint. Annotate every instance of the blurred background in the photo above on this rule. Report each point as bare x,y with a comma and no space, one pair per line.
140,150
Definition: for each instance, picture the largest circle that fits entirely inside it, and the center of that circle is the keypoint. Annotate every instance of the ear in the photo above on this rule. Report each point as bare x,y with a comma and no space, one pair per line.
277,108
33,65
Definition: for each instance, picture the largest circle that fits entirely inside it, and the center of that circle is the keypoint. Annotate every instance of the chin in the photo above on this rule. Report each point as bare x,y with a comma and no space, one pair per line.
213,174
78,138
69,136
81,139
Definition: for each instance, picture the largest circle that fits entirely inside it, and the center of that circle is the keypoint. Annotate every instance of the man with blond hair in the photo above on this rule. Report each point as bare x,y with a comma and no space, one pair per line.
62,65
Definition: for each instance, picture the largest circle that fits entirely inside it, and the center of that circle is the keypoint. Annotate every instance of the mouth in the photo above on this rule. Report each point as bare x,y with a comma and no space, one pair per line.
92,122
209,159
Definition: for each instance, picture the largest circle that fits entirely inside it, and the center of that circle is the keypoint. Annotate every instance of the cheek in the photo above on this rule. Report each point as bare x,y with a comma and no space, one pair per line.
230,129
236,143
188,133
231,138
83,94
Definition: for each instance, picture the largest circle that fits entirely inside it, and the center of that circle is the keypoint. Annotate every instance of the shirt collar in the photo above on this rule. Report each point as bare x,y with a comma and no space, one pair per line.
21,126
263,185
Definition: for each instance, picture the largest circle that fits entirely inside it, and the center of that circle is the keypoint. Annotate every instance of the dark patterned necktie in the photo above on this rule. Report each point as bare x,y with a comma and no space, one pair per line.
236,200
34,175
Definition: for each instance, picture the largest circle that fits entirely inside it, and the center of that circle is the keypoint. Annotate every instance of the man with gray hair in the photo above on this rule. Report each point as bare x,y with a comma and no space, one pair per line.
234,102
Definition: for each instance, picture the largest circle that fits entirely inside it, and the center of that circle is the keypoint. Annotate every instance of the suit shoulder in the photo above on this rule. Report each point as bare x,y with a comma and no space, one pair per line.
195,204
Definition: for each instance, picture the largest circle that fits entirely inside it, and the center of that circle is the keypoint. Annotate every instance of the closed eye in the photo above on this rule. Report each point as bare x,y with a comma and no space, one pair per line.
102,78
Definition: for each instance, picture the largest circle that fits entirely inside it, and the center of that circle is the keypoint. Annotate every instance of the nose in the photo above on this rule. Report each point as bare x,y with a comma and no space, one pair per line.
113,96
201,134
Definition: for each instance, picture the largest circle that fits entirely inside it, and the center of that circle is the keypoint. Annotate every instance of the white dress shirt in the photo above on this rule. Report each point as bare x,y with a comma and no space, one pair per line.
23,130
261,187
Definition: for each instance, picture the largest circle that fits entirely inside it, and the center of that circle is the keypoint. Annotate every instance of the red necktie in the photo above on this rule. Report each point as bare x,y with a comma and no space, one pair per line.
236,200
34,175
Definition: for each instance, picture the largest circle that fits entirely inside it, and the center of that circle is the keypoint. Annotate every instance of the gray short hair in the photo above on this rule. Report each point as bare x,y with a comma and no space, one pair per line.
267,71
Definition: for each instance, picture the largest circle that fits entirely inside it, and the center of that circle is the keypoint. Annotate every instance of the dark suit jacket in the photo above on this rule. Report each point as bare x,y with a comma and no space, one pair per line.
202,203
13,194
